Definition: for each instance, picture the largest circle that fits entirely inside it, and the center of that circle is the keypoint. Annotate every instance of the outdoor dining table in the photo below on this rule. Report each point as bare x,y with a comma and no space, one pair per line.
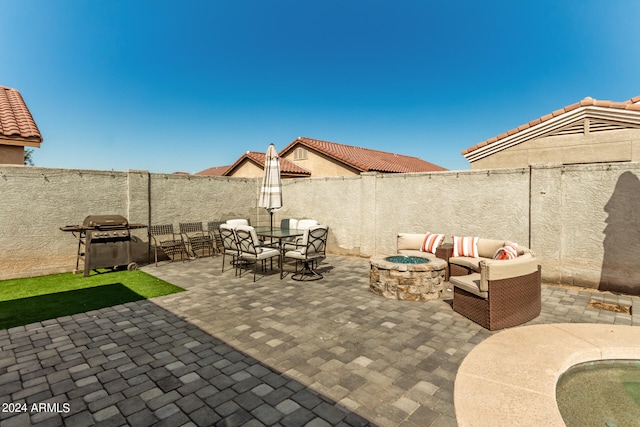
278,234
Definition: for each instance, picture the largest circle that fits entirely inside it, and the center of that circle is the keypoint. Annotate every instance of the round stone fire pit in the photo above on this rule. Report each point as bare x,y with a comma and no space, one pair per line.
407,278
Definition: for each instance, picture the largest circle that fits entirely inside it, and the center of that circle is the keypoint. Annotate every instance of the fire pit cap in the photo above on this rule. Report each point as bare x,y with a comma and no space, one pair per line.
405,259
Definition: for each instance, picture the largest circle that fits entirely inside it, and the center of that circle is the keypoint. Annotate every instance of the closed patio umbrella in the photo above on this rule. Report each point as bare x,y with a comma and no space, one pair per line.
271,190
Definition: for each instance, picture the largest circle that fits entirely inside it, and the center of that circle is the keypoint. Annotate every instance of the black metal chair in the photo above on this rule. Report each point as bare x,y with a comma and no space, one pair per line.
213,227
229,245
200,242
251,249
309,252
168,241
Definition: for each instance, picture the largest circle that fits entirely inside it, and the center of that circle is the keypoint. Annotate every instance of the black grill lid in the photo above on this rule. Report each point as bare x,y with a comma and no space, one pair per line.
105,221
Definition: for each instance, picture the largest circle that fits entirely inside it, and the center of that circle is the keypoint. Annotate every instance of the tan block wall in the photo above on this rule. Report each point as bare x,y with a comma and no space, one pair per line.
583,221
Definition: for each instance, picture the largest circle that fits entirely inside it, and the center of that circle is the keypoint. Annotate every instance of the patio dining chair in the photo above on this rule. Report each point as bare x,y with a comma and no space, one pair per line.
169,242
238,221
287,224
302,224
308,254
251,249
213,227
229,245
199,241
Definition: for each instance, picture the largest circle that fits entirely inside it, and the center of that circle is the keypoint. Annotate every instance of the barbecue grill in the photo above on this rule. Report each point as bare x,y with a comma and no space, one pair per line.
103,241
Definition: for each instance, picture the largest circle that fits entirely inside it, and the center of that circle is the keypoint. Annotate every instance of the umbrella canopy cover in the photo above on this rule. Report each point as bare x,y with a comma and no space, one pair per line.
271,190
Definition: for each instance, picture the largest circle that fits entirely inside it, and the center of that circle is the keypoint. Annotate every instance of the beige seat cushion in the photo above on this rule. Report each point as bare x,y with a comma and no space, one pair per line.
469,283
487,247
466,261
412,252
412,241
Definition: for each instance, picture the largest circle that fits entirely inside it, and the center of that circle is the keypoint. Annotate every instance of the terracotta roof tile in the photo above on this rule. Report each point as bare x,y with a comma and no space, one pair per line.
214,171
365,159
287,168
572,107
15,118
632,104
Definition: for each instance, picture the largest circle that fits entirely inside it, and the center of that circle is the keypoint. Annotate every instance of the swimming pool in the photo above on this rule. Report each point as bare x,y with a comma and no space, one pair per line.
600,393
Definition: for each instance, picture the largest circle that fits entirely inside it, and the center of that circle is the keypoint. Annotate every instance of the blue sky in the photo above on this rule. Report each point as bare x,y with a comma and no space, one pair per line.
184,85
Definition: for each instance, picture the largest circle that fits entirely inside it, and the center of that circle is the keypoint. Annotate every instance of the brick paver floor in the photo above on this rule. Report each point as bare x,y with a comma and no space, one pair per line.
232,352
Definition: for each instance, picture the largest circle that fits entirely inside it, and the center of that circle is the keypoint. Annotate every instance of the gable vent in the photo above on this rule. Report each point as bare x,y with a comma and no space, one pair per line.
591,126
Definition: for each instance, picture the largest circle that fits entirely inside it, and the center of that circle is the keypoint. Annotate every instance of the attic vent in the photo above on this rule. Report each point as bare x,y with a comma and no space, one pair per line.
300,154
590,126
600,126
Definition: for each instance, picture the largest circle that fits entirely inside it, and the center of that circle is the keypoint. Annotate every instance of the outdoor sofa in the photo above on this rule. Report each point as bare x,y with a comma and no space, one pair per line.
495,293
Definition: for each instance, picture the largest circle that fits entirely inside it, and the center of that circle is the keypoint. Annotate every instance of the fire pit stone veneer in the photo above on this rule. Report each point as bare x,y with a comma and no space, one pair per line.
408,282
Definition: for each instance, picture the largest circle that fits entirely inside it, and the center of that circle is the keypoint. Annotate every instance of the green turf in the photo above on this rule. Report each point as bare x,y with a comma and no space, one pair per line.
34,299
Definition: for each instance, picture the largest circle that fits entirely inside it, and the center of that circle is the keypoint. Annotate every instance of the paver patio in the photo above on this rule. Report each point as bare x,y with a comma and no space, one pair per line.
232,352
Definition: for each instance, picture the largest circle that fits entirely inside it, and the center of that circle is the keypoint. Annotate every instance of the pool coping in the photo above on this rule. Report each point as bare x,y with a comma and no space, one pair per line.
510,378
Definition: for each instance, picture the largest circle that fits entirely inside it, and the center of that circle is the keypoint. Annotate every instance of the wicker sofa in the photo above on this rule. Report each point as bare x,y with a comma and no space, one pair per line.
496,294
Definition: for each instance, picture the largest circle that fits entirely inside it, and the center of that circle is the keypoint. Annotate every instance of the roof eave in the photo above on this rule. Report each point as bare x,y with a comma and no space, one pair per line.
20,141
547,126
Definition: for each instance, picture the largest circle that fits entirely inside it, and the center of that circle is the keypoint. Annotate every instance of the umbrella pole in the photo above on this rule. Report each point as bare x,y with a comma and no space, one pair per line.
271,220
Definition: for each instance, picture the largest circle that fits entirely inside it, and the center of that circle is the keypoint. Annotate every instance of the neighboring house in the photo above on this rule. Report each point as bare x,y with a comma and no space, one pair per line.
589,131
306,157
251,165
214,171
17,127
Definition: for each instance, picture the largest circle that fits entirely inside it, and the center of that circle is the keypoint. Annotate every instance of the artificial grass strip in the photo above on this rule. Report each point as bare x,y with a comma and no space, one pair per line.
34,299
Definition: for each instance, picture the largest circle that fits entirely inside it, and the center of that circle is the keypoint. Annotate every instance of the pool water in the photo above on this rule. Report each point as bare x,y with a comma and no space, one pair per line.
601,393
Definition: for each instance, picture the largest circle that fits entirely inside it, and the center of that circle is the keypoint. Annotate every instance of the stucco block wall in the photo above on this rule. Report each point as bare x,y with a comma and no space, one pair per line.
583,221
37,201
587,225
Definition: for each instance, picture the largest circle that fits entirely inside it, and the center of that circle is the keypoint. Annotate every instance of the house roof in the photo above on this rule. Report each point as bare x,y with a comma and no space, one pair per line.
214,171
288,169
16,121
606,113
365,159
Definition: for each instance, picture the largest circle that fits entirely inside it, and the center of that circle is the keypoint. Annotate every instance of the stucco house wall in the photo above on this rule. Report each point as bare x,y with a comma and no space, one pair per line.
621,145
247,169
11,154
320,164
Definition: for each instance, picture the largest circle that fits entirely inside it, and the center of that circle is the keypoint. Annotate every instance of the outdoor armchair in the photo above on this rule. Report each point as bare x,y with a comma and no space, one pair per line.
229,245
504,293
251,250
199,241
288,224
213,227
170,243
236,222
301,224
309,253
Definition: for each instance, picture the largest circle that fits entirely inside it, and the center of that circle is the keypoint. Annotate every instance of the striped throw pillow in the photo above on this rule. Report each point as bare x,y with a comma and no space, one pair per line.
431,242
507,252
465,246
